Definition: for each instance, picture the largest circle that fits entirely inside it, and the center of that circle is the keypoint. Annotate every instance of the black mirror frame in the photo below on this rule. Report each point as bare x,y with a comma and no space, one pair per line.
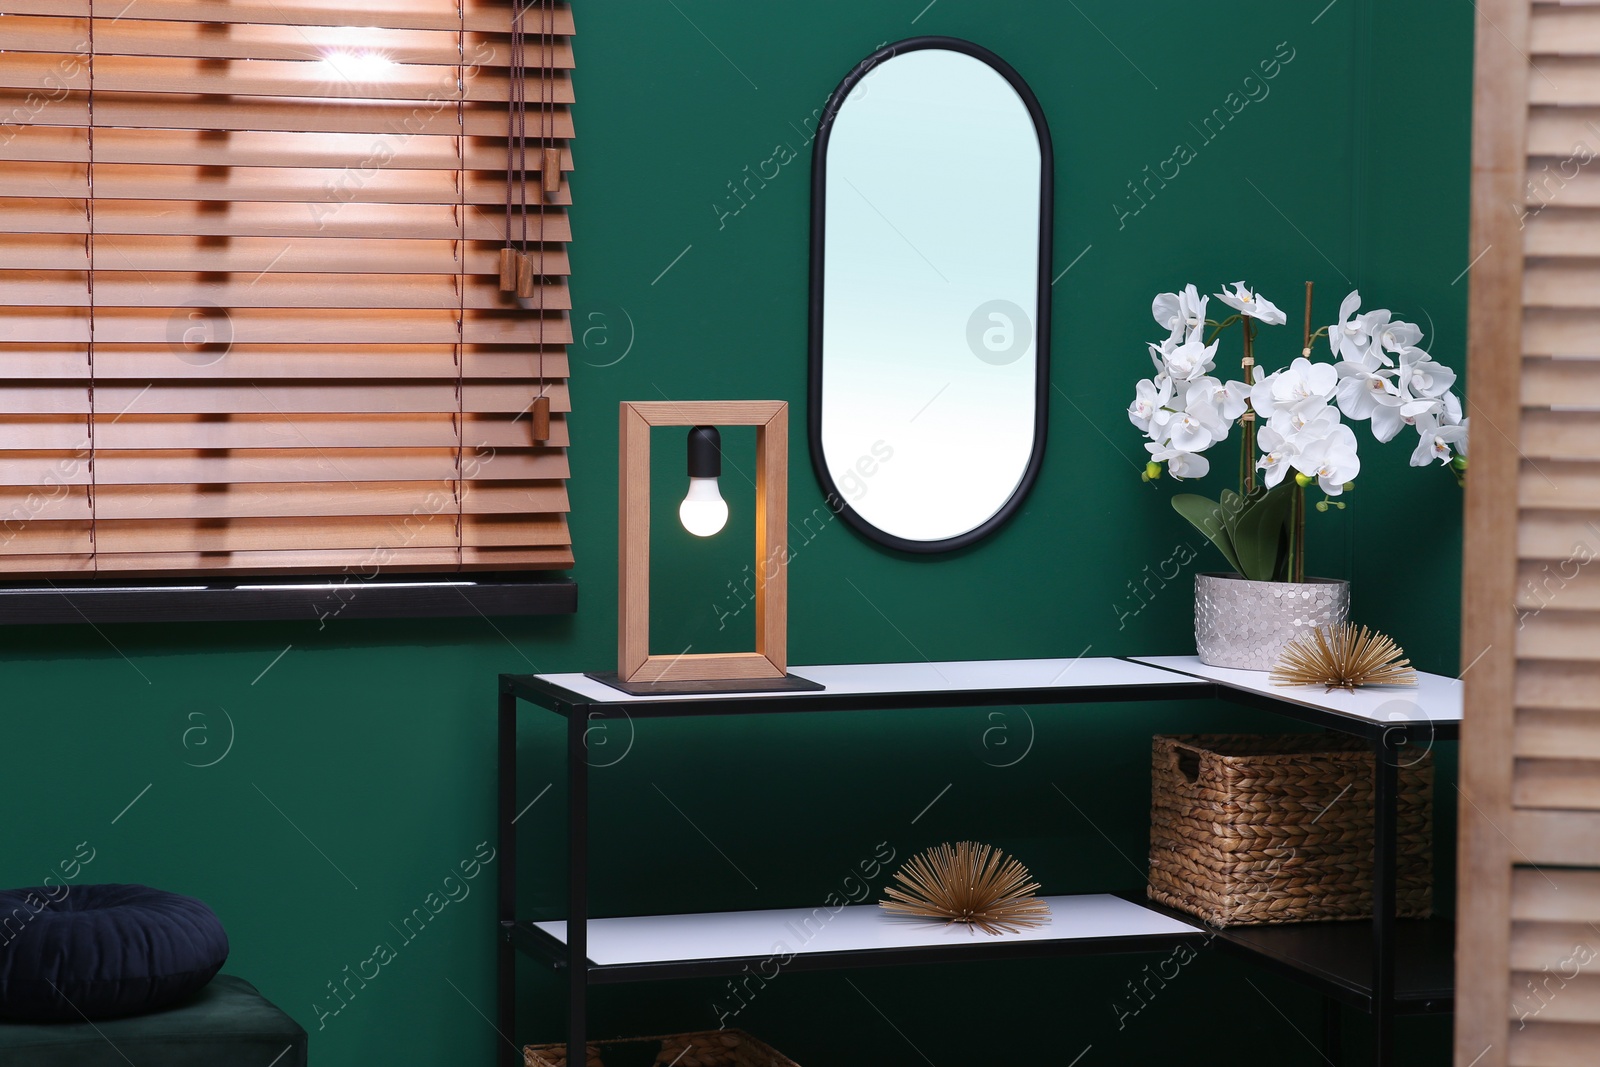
819,172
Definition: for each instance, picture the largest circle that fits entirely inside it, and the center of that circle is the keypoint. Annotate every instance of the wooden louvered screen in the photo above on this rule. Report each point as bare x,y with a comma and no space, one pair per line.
1528,955
250,315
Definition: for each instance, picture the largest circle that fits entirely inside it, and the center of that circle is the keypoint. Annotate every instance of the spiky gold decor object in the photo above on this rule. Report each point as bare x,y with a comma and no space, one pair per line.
1343,657
967,883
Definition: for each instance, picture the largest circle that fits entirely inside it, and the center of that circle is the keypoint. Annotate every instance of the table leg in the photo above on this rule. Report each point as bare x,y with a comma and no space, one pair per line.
506,883
577,889
1384,876
1332,1032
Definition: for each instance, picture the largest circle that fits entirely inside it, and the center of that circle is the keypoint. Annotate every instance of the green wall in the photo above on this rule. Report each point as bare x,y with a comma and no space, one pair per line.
361,772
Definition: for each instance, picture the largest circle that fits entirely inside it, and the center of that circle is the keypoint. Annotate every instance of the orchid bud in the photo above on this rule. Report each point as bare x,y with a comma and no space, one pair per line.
1152,471
1302,480
1459,463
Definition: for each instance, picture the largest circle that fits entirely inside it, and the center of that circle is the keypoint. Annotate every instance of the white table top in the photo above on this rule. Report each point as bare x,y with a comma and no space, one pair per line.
1435,698
847,679
857,927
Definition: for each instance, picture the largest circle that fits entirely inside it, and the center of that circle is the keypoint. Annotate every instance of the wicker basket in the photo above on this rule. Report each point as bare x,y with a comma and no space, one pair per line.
708,1048
1278,829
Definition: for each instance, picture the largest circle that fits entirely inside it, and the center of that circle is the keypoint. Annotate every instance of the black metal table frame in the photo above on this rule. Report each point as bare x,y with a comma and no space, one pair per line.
1388,739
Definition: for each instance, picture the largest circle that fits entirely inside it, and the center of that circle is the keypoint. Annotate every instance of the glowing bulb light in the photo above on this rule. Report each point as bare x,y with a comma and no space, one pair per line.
703,511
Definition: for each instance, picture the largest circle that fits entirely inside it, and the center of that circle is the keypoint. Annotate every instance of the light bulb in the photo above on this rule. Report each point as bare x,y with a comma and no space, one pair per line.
703,511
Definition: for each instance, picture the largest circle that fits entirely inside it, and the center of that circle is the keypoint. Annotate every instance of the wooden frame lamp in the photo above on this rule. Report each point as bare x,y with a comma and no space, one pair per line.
769,661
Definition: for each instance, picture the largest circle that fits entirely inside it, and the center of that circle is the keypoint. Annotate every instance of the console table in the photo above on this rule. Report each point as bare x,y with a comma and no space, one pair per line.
1384,967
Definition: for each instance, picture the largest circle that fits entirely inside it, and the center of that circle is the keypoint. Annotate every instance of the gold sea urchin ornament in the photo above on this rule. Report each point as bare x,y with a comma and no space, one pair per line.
1343,657
967,883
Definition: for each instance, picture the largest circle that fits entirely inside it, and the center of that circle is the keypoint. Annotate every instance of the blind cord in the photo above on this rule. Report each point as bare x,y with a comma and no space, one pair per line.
461,280
94,511
547,142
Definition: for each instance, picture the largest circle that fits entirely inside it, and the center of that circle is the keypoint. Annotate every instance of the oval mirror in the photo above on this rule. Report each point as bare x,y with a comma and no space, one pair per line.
930,294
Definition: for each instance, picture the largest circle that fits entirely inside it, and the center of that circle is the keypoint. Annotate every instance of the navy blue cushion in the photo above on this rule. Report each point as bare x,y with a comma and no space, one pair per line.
70,953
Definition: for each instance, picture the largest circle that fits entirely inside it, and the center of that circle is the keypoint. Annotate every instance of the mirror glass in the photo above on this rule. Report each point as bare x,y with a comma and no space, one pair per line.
930,280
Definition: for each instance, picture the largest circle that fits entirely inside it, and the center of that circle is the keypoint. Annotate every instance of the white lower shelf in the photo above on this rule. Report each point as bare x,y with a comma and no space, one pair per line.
660,939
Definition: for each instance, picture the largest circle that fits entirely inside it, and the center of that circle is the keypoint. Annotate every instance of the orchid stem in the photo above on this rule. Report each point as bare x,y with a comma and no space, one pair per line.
1298,549
1308,316
1247,444
1297,544
1220,326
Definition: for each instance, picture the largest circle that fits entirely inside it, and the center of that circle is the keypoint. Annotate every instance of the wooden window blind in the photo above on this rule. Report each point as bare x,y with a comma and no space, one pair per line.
1528,930
250,312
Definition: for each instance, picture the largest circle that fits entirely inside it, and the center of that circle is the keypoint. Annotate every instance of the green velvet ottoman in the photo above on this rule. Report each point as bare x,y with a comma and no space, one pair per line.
228,1024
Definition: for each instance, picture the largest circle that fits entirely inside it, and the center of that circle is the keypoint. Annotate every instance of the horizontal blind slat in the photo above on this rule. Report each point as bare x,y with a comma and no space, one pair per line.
159,326
117,430
138,128
143,37
282,500
191,466
252,256
350,185
485,15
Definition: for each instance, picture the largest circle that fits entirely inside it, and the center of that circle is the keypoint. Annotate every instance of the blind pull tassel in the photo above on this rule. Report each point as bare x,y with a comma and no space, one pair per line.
508,269
539,413
550,172
527,284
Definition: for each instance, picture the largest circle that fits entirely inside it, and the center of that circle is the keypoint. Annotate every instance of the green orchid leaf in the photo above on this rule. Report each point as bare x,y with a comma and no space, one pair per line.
1210,518
1260,535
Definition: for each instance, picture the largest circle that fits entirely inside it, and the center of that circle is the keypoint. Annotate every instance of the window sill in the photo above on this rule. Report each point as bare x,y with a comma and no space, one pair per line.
297,599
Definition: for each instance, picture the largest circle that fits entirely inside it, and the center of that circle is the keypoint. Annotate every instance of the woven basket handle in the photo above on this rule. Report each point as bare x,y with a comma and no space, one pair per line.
1187,761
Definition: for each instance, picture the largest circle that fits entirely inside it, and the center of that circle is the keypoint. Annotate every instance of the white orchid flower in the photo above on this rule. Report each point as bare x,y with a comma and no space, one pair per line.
1159,353
1346,337
1187,433
1278,450
1361,390
1253,305
1191,360
1331,460
1220,403
1183,465
1452,410
1351,337
1181,313
1300,383
1279,446
1276,464
1180,464
1431,446
1148,400
1421,377
1296,426
1386,420
1438,441
1413,410
1398,336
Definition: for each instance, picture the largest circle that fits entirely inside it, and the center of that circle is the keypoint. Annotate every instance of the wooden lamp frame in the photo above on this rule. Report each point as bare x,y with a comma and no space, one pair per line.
635,664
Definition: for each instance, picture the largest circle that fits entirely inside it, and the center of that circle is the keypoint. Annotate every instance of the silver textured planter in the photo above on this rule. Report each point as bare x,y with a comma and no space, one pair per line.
1240,623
